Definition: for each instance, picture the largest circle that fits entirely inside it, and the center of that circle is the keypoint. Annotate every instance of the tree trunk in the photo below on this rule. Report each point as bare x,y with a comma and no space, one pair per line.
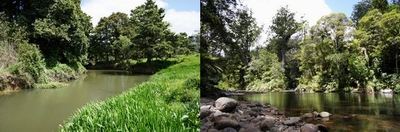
148,61
397,53
283,54
241,79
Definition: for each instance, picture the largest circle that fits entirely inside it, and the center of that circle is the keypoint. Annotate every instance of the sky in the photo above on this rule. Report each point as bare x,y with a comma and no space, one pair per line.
345,6
312,10
183,15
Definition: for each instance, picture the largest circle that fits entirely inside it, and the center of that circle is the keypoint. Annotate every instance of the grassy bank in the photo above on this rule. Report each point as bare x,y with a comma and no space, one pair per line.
24,67
169,101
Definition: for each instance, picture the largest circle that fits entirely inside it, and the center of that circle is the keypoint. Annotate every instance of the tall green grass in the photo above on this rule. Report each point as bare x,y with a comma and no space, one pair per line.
169,101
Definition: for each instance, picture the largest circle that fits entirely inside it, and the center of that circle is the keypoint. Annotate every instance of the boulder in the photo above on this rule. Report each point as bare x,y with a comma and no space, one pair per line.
225,104
218,113
212,130
309,128
308,115
206,107
267,123
292,121
249,129
229,129
204,112
225,122
324,114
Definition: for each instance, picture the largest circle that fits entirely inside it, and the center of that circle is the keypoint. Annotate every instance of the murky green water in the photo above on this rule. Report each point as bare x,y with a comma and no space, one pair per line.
352,112
44,110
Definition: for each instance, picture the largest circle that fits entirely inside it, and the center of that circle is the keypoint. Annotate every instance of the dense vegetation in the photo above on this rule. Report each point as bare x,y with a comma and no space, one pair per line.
338,53
169,101
43,43
141,36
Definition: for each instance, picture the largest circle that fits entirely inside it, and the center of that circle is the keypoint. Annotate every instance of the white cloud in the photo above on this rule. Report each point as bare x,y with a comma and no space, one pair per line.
265,10
181,21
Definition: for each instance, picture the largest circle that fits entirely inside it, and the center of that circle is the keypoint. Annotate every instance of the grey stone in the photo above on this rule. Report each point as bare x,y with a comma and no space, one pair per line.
229,129
292,121
309,128
225,104
324,114
204,113
308,115
267,123
225,122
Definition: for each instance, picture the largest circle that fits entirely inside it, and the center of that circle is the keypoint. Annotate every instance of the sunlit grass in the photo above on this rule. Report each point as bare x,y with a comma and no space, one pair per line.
167,102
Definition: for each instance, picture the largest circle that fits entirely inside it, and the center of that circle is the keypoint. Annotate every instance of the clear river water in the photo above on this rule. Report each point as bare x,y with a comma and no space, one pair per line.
351,112
44,110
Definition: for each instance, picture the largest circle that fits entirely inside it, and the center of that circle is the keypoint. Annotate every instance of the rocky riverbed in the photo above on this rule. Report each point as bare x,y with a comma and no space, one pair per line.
229,115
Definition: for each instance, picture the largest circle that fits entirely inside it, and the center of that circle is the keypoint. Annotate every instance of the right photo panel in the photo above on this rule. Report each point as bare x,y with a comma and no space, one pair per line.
300,65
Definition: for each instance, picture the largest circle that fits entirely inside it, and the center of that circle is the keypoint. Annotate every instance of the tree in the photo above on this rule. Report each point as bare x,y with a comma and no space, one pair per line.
369,34
150,29
195,42
63,35
245,33
360,9
122,45
335,27
264,72
381,5
108,30
180,42
283,27
324,55
25,12
390,23
214,16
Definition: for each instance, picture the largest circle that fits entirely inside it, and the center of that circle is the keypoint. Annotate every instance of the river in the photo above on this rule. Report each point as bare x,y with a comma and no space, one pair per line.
350,111
42,110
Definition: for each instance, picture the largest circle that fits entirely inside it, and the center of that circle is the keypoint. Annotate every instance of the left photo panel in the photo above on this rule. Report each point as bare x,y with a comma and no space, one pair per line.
97,65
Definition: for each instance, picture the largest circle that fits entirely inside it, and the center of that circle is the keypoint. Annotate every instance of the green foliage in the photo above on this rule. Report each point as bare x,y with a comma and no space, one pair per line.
121,48
192,83
214,37
30,61
265,73
283,27
63,34
360,9
61,72
381,5
50,85
151,31
358,70
144,108
111,38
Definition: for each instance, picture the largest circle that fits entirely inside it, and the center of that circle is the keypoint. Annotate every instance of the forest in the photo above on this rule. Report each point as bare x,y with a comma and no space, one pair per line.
357,53
48,46
44,43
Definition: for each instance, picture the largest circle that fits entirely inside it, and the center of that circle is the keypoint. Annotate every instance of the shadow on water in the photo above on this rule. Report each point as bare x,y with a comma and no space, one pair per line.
351,112
120,73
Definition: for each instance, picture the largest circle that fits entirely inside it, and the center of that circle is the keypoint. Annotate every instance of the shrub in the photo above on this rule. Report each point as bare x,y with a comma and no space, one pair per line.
50,85
31,62
193,83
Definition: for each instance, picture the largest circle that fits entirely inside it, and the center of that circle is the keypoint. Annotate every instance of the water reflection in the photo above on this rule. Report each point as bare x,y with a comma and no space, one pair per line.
44,110
351,112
